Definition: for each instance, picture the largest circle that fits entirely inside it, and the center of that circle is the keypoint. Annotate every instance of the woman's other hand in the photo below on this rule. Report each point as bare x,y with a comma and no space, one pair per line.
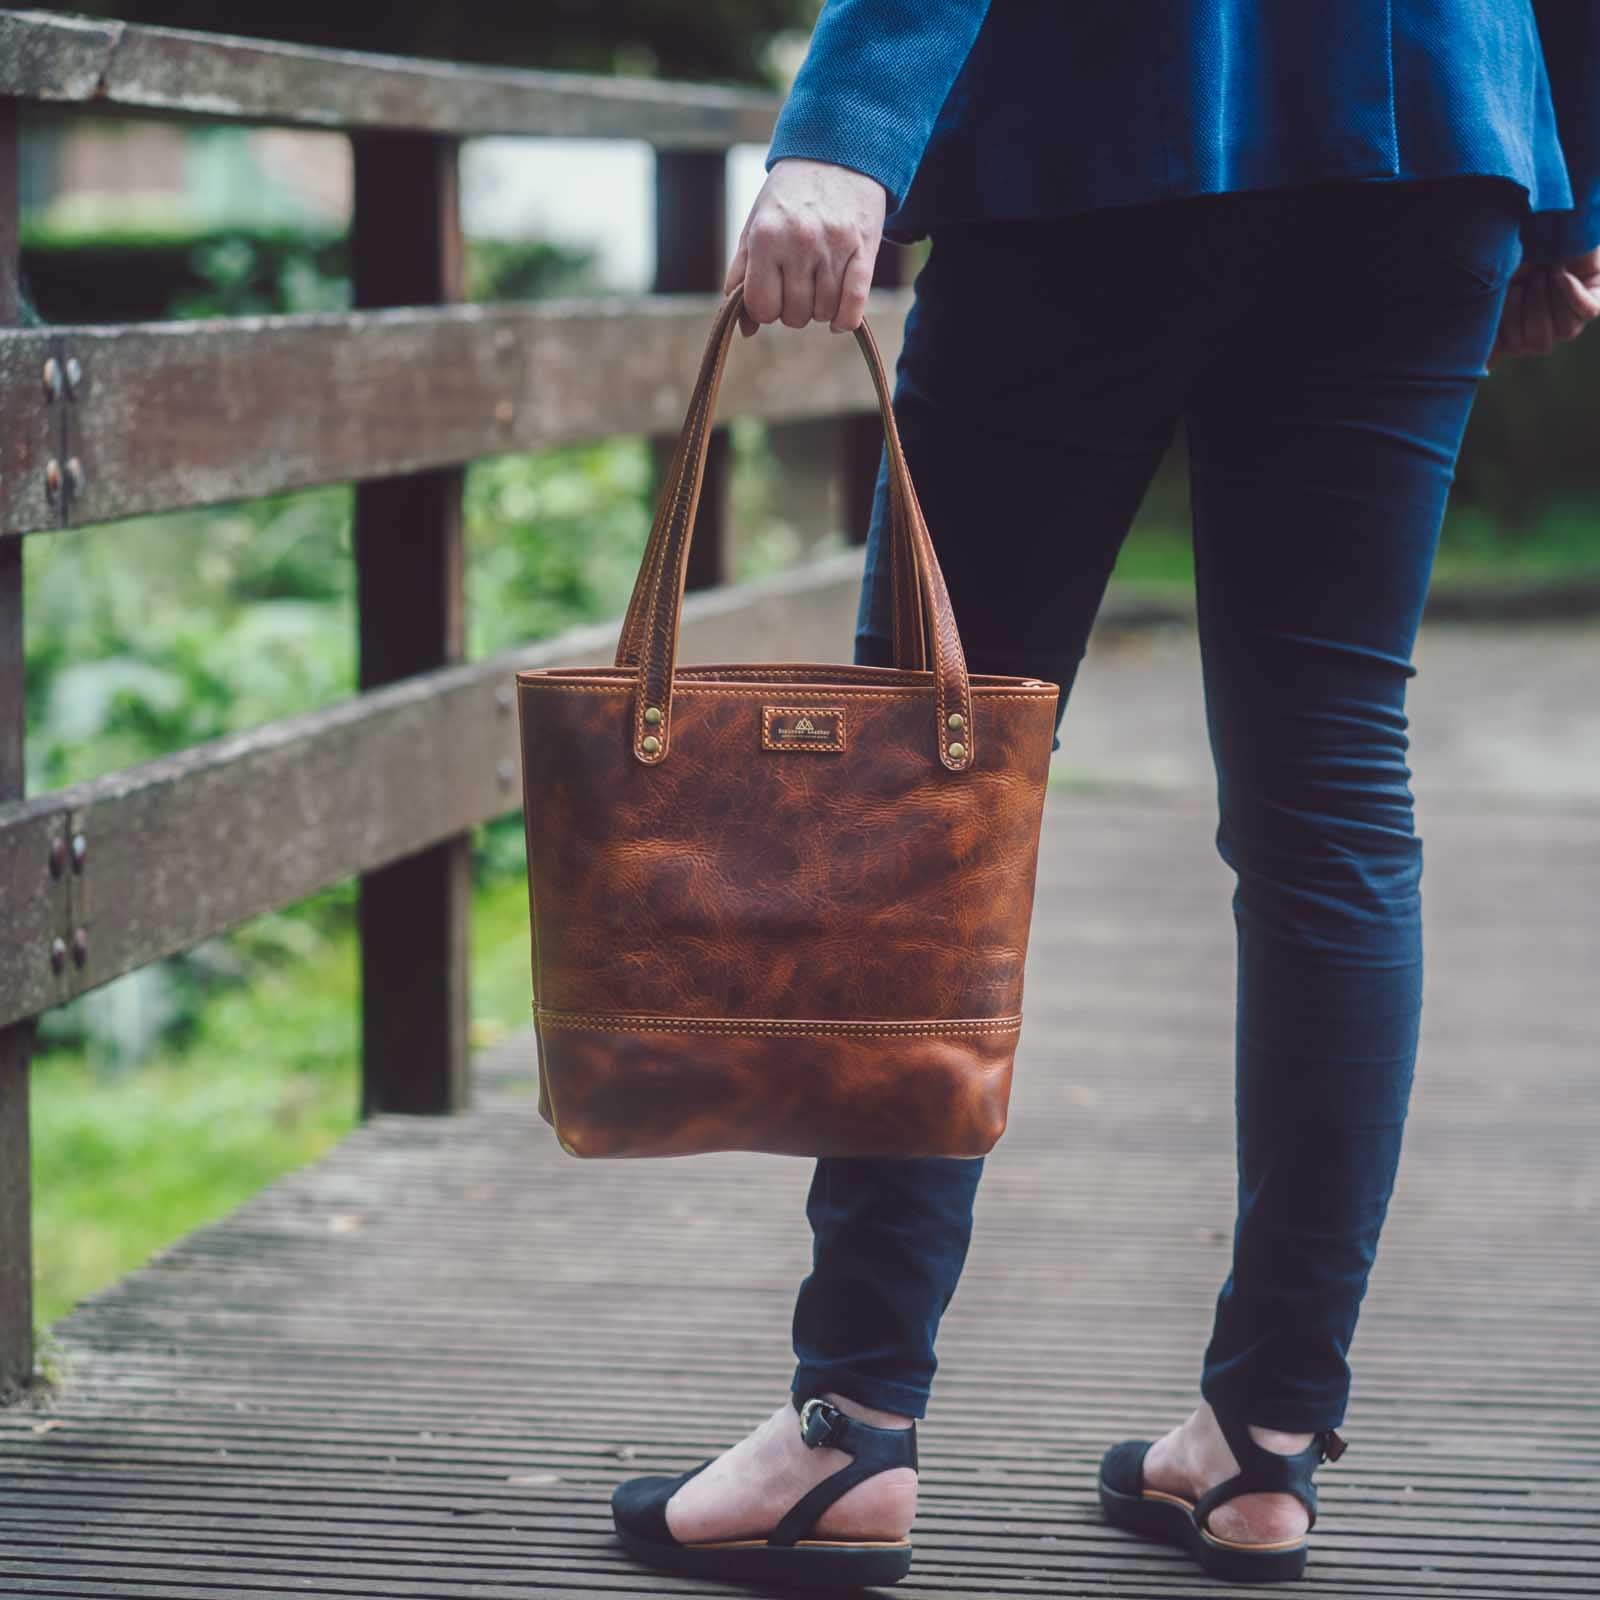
808,247
1546,305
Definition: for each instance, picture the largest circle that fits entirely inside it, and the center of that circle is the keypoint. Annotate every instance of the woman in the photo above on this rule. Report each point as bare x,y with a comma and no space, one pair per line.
1301,231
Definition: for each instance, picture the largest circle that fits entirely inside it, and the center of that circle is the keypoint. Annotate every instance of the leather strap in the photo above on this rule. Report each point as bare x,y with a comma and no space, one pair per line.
1263,1471
875,1450
924,623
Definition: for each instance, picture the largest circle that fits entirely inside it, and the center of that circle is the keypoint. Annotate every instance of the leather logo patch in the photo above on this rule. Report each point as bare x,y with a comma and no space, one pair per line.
802,727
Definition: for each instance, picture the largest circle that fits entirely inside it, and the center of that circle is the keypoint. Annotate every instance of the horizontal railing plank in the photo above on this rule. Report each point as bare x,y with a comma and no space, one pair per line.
183,848
169,415
79,61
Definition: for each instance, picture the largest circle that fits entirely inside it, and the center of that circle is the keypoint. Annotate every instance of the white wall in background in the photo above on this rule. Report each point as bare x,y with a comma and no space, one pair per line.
594,193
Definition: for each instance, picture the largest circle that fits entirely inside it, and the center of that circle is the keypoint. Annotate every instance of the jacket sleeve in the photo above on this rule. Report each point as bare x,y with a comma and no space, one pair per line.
869,91
1570,33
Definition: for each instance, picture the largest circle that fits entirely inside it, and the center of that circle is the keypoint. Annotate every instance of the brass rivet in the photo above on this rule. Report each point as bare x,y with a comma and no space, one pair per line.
957,751
956,720
650,744
652,714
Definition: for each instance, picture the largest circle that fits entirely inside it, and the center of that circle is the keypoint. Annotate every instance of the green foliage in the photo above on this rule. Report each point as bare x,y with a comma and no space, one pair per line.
149,273
124,1163
553,539
155,634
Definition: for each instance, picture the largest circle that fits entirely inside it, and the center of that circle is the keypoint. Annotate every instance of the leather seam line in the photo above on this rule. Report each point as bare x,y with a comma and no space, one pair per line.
629,1022
755,692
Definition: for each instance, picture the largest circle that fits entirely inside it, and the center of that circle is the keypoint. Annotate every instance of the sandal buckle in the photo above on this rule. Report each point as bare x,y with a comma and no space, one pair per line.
818,1422
1332,1445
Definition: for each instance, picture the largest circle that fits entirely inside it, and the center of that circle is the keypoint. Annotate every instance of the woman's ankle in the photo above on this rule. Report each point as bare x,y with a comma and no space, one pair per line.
1280,1443
874,1415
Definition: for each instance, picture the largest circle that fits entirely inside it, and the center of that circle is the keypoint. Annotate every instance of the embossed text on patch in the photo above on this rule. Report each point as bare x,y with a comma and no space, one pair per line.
802,727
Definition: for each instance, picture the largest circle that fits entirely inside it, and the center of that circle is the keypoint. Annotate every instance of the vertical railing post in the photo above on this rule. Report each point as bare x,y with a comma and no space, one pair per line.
692,258
406,249
16,1042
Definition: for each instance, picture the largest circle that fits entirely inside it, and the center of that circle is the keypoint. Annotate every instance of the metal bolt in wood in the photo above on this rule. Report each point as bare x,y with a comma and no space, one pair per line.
52,379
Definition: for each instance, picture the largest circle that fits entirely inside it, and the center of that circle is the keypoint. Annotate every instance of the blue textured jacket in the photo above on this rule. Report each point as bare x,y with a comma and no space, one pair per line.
970,111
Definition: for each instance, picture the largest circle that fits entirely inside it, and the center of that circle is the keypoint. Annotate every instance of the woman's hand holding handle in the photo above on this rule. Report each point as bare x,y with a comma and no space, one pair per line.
808,247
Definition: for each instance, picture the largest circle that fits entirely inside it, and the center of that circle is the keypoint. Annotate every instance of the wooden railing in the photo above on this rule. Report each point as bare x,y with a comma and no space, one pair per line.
397,395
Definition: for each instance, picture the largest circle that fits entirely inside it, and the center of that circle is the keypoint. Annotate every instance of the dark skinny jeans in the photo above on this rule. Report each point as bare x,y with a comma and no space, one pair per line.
1321,347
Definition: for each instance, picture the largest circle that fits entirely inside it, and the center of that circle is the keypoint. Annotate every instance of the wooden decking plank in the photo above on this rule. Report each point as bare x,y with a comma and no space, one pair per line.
331,1391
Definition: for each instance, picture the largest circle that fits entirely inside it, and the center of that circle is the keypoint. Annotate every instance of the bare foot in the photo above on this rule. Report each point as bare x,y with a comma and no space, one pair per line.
745,1492
1195,1457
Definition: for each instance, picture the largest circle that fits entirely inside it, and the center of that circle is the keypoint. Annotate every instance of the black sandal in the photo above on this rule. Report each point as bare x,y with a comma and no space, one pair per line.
1126,1503
786,1556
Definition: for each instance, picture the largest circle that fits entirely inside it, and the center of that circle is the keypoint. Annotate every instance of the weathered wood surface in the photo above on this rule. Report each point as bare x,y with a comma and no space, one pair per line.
121,66
168,415
410,554
16,1269
419,1367
187,846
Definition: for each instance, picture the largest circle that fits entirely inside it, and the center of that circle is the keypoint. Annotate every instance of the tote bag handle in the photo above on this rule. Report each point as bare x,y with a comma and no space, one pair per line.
924,624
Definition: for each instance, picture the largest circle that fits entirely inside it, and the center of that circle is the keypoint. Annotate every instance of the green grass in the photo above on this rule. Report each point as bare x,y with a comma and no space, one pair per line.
127,1161
1563,542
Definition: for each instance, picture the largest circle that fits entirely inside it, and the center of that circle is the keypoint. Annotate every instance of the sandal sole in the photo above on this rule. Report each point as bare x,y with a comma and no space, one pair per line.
1167,1521
811,1564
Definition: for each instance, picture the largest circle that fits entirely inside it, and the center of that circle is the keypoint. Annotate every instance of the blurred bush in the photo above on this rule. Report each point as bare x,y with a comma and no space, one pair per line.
149,274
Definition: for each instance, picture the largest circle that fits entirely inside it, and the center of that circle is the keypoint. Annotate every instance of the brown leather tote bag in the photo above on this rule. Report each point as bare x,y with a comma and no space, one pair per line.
780,908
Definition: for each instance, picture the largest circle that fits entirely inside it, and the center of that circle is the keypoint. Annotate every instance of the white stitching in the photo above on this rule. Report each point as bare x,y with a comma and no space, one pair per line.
631,1022
755,692
769,743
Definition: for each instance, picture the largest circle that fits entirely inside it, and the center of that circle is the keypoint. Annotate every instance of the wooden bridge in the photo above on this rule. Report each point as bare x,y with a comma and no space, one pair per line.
418,1367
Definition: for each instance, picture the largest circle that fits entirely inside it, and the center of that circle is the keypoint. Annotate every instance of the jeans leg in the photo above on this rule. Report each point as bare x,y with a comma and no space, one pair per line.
1029,480
1322,452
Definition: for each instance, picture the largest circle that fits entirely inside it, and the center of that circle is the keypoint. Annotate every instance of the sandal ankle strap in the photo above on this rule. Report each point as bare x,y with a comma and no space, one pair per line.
822,1423
874,1450
1263,1471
